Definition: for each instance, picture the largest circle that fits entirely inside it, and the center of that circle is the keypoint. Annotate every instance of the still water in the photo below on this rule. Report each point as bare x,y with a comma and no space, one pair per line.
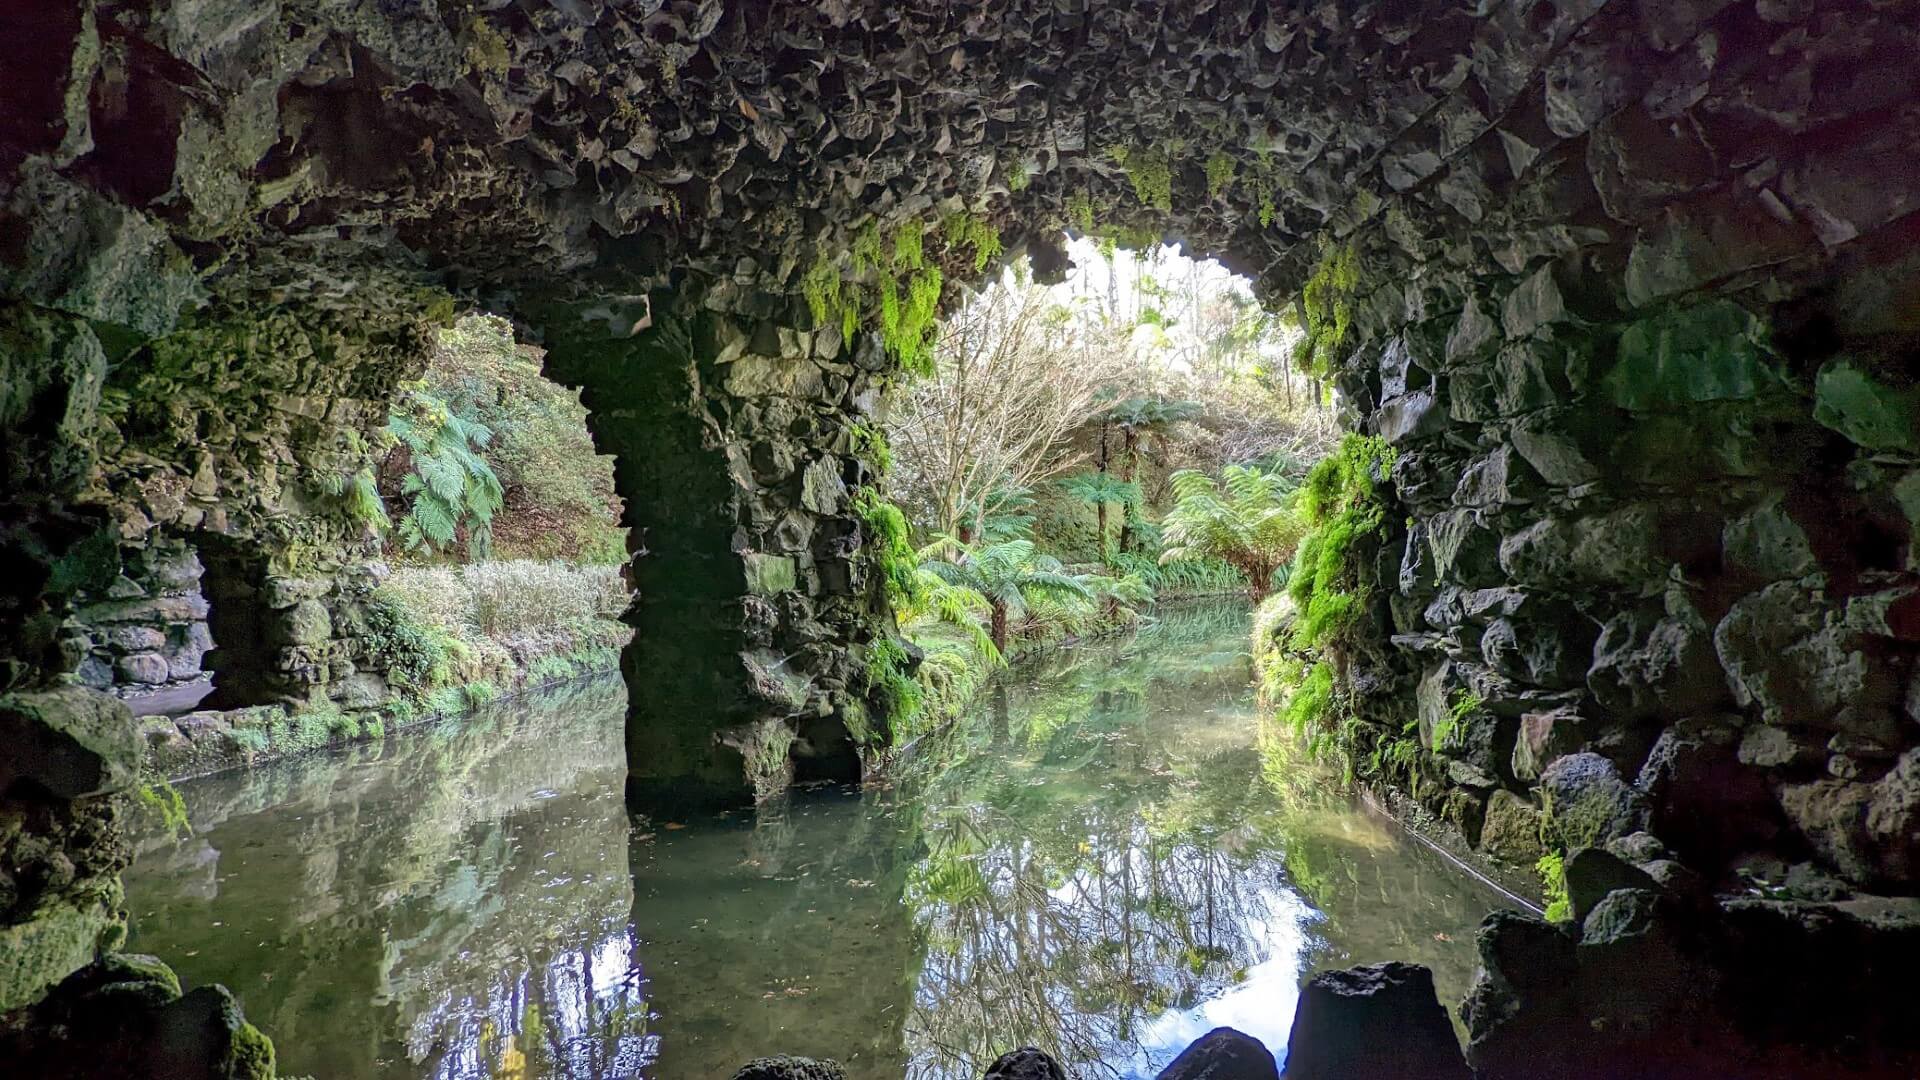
1100,860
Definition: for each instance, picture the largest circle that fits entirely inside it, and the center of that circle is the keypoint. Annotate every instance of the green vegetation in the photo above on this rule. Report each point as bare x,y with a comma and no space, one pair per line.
1101,490
1301,635
1552,869
896,283
1080,212
444,627
558,500
450,491
1247,519
161,800
1220,170
1149,171
1326,303
1010,576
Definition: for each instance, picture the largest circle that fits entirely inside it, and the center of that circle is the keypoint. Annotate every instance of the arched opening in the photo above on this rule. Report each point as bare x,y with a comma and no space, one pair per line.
1613,579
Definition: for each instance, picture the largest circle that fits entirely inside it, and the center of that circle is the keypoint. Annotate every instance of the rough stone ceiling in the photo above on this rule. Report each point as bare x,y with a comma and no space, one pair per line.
321,145
507,140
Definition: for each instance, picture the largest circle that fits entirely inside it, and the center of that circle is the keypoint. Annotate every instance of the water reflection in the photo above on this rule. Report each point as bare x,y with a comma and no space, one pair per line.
1099,862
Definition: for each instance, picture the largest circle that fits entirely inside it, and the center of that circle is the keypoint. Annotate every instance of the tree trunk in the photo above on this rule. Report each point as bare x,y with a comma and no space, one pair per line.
999,630
1129,468
1100,515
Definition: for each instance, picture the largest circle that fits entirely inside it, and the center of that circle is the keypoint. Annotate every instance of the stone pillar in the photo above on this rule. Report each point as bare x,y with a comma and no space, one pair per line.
733,428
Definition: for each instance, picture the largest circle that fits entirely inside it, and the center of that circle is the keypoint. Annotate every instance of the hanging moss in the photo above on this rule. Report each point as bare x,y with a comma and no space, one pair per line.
1080,212
1327,304
1220,171
1342,506
963,230
1150,172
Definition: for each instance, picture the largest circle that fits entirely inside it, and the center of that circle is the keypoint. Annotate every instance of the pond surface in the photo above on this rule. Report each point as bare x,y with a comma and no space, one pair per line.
1100,861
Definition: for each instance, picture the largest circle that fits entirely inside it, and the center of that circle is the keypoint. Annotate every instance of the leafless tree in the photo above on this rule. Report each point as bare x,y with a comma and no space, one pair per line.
1016,374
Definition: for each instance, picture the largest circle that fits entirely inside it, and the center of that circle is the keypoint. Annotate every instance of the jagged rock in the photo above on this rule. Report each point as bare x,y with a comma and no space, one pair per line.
1588,803
1648,664
1523,1003
1767,542
791,1068
1704,801
1511,831
1026,1063
1618,549
1593,873
1545,737
1771,747
1375,1020
1223,1054
1860,406
1785,658
68,742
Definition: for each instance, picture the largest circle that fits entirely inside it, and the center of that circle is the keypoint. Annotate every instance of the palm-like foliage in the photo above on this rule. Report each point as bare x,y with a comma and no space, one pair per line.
1008,575
936,599
1099,490
448,484
1247,518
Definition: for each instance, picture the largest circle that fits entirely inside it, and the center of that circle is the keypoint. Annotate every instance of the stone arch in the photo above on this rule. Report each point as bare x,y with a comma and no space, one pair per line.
1628,285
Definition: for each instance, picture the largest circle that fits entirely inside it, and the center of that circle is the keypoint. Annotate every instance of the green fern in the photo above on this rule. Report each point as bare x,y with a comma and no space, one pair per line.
450,487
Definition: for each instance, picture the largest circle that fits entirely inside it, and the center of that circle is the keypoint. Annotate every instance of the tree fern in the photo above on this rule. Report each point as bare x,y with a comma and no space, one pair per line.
1248,518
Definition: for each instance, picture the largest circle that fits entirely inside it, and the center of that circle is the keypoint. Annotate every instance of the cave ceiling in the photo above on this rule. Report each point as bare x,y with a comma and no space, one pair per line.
329,147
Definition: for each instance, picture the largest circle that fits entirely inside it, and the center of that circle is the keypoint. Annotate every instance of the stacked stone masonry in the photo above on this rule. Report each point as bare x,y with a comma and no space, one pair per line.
1636,304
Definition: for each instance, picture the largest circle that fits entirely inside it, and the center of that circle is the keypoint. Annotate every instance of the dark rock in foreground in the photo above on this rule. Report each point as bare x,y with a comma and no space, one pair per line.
1223,1054
1379,1020
1026,1063
790,1068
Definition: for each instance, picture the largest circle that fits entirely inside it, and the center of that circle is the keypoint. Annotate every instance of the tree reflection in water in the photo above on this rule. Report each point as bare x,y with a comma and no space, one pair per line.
1099,861
1110,871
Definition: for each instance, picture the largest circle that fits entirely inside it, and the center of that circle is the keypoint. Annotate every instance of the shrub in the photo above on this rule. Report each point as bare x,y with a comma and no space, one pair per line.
558,493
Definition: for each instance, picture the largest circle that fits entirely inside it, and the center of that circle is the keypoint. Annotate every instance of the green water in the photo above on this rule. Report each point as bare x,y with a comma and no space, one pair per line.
1098,861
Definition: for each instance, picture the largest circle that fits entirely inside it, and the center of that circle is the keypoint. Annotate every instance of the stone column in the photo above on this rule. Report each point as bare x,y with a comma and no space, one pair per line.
732,425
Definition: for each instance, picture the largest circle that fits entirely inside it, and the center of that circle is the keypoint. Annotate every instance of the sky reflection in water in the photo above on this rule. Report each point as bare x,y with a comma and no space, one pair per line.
1100,861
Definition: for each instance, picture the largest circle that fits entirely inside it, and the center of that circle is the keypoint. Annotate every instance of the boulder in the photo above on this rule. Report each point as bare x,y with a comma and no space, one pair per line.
1588,803
124,1015
1643,974
1026,1063
305,623
1377,1020
1800,668
1511,830
1766,542
1546,736
1522,1012
791,1068
1866,409
1223,1054
134,639
69,742
1593,873
1646,663
1704,801
145,669
1618,549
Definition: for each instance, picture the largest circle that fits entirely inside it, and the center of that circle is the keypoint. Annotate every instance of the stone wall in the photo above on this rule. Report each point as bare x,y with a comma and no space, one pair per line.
147,631
733,427
1651,582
